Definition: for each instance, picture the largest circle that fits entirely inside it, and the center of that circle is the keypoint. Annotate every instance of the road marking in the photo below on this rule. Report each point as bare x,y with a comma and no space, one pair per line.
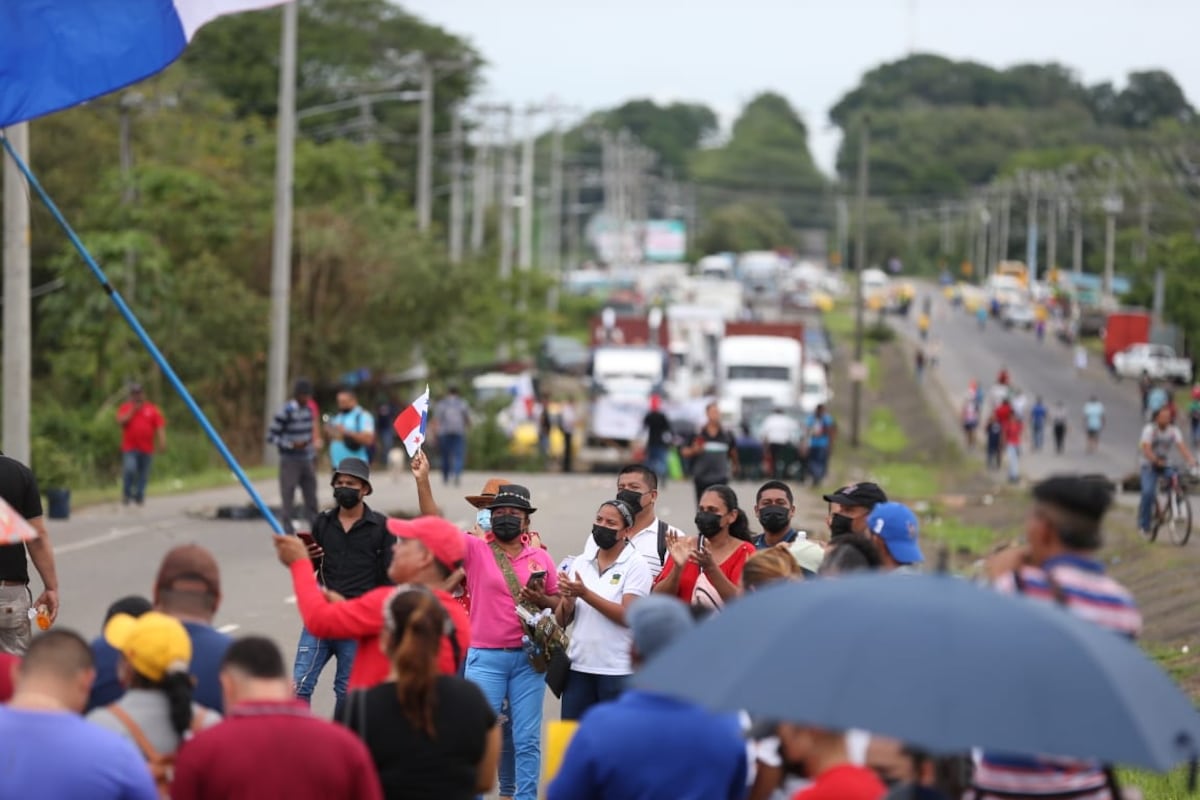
113,535
230,628
290,599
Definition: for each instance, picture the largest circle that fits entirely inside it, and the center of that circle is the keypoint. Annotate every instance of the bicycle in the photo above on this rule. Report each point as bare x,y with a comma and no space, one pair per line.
1172,508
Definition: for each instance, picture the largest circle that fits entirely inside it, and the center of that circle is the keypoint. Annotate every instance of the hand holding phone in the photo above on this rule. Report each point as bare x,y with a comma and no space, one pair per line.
314,549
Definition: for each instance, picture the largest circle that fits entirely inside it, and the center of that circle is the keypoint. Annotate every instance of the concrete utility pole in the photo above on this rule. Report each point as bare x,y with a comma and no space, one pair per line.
1000,248
1031,227
860,265
425,149
1113,205
457,223
506,199
528,203
481,190
573,211
947,244
552,225
17,331
1077,238
281,249
1052,202
843,232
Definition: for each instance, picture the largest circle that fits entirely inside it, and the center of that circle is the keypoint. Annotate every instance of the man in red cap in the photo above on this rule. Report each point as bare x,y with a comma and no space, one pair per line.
426,551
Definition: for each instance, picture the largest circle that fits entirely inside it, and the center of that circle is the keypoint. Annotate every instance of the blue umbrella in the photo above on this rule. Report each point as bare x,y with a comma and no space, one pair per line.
936,662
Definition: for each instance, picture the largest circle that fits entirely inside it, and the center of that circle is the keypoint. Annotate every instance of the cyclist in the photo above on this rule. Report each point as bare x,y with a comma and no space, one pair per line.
1158,438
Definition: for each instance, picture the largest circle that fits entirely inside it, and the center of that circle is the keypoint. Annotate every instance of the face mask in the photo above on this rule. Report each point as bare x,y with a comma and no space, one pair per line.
632,499
346,496
708,523
774,519
506,528
840,525
483,518
606,538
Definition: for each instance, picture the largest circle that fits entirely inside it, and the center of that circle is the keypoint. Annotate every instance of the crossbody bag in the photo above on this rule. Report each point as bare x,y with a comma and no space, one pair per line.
548,639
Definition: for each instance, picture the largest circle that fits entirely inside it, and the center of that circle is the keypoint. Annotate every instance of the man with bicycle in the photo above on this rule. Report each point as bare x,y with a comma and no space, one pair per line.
1158,439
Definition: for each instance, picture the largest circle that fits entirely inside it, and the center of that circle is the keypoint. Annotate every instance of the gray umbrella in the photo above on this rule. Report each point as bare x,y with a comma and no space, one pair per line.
936,662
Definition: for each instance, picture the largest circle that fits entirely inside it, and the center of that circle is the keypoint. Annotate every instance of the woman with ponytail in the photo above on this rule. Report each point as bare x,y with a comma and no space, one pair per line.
430,735
707,570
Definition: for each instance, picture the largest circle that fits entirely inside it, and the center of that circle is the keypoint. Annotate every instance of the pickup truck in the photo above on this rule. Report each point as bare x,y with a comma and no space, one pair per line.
1155,360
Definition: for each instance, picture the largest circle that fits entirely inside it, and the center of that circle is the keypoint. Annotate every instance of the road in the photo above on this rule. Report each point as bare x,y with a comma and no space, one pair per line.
104,554
1044,369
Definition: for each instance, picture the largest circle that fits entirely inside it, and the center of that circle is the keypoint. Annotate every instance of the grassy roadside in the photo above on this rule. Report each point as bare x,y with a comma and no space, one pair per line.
208,479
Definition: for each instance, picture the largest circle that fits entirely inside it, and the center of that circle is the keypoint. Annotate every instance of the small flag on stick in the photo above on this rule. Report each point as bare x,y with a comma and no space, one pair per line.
410,424
13,527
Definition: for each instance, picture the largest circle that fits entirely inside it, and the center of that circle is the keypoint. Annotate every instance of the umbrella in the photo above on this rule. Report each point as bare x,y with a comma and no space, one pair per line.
937,662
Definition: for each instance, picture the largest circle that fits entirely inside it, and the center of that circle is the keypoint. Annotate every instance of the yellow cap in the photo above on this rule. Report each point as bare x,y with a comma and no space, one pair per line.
154,644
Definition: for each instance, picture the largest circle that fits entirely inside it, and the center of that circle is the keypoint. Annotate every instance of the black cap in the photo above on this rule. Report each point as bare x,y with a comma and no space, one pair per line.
355,468
1089,496
512,495
866,495
303,386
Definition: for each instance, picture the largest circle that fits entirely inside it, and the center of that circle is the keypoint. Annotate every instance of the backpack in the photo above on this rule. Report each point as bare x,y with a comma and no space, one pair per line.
162,766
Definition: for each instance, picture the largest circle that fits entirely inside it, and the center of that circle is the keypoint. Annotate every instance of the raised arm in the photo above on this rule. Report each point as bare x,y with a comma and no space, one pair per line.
420,471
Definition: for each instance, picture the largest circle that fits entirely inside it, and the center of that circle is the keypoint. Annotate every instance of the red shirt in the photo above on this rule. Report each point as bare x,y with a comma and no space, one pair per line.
138,431
7,662
1003,413
271,749
844,782
362,619
731,568
1012,430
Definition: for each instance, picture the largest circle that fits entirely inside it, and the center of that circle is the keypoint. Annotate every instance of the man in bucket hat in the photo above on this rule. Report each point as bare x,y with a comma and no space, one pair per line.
352,550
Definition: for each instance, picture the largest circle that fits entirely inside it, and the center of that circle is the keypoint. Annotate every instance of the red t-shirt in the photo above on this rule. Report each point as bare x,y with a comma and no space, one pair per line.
844,782
731,568
1012,430
138,432
1003,413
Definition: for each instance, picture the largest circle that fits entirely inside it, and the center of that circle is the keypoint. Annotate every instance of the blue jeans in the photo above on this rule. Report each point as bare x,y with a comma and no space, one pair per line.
584,690
1150,476
454,446
1013,453
312,654
817,462
135,471
1039,435
507,673
656,459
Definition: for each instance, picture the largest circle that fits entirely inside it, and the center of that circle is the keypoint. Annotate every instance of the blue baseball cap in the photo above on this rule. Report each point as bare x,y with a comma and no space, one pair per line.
898,526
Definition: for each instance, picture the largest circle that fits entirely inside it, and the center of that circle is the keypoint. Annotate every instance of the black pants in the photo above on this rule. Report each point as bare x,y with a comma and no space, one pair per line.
566,455
1060,436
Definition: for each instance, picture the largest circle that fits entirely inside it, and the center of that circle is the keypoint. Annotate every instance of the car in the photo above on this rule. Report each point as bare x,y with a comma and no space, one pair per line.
1158,361
1018,315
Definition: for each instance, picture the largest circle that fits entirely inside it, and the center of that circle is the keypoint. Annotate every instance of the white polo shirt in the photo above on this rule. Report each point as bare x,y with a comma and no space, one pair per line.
600,646
646,543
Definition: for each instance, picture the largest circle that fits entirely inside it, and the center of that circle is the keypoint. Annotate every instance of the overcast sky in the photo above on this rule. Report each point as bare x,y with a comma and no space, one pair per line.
600,53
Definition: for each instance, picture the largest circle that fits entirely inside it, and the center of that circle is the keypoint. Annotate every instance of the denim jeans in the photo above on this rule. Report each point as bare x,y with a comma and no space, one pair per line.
1039,435
656,459
135,471
312,654
1150,477
454,447
818,462
507,673
1013,453
584,690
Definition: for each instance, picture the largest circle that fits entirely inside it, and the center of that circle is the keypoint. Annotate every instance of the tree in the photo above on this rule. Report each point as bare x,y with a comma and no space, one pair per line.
1149,97
673,131
738,227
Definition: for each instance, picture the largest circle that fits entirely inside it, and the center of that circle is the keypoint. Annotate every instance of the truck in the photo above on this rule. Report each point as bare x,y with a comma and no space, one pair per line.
623,379
627,330
1158,361
759,367
1122,329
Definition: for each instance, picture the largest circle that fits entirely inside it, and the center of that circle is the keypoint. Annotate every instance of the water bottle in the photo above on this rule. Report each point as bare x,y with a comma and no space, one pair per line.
41,615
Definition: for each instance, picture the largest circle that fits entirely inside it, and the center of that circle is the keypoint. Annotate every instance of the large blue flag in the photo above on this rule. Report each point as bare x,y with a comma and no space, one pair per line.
57,53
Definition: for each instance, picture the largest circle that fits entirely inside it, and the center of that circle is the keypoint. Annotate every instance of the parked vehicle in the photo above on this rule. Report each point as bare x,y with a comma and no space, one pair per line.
1155,360
1018,315
757,371
814,391
1123,329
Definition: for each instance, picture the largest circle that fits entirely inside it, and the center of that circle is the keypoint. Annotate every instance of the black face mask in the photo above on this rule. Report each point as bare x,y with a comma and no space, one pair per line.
605,538
346,496
632,499
840,525
506,528
774,519
708,523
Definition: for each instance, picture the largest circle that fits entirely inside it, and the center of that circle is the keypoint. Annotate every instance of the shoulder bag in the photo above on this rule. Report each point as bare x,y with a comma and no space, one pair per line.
547,640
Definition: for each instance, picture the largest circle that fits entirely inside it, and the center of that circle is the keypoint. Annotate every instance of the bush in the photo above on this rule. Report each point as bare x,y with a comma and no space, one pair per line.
880,332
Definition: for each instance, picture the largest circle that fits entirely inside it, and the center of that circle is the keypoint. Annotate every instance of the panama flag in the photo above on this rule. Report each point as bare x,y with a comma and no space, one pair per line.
55,54
410,424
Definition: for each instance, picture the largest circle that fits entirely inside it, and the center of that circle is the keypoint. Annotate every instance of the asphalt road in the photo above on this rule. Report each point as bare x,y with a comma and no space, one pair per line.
1045,369
103,553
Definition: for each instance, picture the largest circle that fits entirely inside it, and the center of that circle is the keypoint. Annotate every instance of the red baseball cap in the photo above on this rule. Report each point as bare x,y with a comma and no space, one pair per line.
441,538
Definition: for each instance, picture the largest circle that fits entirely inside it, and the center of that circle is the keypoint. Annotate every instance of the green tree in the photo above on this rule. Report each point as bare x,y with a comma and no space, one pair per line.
673,131
739,227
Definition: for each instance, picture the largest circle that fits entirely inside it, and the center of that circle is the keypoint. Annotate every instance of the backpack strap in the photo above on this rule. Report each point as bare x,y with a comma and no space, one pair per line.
506,568
662,542
135,731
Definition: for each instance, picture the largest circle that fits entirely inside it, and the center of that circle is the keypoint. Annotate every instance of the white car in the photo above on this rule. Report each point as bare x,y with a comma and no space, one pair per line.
1155,360
1018,315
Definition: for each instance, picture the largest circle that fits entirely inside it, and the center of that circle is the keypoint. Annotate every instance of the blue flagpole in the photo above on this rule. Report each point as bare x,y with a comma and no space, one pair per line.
158,357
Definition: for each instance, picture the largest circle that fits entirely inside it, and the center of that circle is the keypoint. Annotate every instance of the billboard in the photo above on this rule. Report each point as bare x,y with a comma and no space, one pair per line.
665,240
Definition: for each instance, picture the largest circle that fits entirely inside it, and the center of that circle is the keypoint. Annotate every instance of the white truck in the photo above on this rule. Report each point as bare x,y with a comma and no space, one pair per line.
623,379
757,372
1155,360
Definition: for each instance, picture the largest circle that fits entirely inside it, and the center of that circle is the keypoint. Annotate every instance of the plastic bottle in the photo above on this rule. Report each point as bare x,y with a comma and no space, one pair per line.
42,617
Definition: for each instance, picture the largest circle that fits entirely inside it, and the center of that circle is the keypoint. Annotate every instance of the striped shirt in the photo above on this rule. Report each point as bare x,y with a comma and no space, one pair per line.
1082,587
293,425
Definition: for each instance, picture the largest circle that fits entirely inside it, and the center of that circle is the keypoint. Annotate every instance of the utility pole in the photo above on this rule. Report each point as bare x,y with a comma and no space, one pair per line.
947,245
129,101
1000,248
281,249
860,265
1052,229
1031,228
17,332
425,149
573,212
481,191
525,243
843,231
456,188
1113,205
553,219
506,199
1077,238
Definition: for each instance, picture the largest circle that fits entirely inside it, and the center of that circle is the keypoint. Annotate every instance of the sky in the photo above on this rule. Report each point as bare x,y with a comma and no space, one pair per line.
597,54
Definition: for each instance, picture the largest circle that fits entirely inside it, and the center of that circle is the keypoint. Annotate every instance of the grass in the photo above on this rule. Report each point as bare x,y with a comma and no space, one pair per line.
905,480
959,536
208,479
874,373
839,323
1157,786
883,433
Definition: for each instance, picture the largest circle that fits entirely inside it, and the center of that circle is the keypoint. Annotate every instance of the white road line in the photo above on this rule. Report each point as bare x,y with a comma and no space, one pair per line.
290,599
112,536
230,628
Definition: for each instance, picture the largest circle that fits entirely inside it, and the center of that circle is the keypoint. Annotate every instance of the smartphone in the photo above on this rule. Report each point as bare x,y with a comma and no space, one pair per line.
307,538
700,543
537,579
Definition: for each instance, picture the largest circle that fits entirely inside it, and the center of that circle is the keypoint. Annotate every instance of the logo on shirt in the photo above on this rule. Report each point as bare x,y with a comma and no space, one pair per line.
615,579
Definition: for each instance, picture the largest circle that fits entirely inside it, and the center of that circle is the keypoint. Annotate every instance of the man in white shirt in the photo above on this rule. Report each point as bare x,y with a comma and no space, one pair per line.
780,433
1158,440
637,487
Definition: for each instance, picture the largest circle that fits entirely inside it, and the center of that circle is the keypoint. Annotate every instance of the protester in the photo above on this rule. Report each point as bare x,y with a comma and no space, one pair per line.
1194,415
8,665
853,552
19,489
568,418
425,552
1058,423
156,712
894,528
107,687
849,507
969,418
1014,429
822,755
647,745
780,433
188,588
774,506
995,439
637,488
597,591
1093,422
270,745
821,430
707,569
452,420
1158,439
713,452
1037,422
1057,564
351,431
353,549
430,735
659,438
49,750
142,424
908,772
768,566
295,433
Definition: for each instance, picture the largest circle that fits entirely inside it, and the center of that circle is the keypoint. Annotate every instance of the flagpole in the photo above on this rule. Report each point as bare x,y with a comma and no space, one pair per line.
147,342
